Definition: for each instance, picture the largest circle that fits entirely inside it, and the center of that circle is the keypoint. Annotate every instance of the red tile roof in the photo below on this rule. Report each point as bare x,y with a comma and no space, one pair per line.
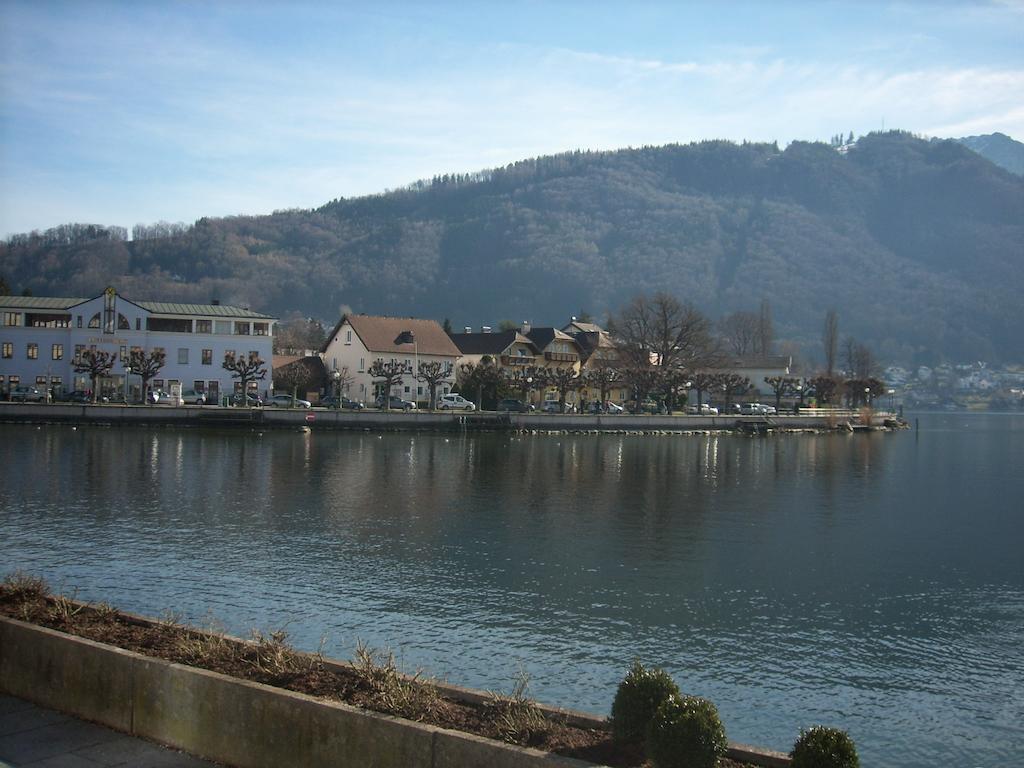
383,334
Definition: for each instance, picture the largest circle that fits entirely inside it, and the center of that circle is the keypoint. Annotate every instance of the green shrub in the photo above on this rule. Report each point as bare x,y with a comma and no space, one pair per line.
640,694
686,732
823,747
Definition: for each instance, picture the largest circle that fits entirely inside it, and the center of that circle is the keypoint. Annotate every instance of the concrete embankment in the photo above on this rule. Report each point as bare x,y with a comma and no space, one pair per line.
436,421
242,723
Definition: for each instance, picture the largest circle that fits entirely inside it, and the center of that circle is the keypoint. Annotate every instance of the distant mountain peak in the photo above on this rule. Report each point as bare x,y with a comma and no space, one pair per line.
998,148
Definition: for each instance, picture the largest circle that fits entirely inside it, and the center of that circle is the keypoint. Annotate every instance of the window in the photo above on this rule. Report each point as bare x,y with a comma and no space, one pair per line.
8,350
78,322
14,381
32,351
79,349
222,326
56,382
41,380
161,350
158,383
407,389
182,356
94,321
207,357
348,337
260,329
204,326
57,352
199,385
12,318
242,329
214,390
138,324
362,364
123,351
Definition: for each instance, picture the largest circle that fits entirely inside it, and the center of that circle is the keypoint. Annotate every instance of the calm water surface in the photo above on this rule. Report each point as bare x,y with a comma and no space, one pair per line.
875,582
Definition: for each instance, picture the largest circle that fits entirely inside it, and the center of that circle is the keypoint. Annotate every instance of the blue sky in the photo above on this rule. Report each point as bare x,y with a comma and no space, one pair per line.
128,112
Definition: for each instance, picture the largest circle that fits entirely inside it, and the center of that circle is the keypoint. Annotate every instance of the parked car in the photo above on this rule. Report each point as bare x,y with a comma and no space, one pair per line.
77,396
252,400
757,409
511,405
192,397
551,406
395,403
330,401
455,402
705,410
27,395
156,395
287,401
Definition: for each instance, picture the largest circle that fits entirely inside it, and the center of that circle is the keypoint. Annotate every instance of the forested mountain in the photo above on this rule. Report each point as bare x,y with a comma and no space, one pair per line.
919,245
1000,149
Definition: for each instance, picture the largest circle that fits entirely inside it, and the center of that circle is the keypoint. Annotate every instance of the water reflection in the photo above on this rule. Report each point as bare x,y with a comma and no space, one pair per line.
867,580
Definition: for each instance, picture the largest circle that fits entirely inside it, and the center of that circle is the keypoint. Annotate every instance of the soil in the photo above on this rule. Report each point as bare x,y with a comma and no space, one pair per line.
372,682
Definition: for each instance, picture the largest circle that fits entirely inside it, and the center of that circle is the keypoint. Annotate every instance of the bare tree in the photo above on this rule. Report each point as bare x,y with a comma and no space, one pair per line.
782,386
830,340
858,359
147,366
824,387
97,364
245,368
481,378
740,332
564,380
675,383
527,379
703,381
433,372
341,380
732,384
765,329
387,375
602,376
296,377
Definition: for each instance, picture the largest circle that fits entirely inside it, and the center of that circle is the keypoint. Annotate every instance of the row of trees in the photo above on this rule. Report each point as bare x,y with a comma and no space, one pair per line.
97,364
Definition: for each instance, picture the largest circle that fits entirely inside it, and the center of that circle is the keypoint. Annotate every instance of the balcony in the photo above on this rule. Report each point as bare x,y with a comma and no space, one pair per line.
514,360
561,357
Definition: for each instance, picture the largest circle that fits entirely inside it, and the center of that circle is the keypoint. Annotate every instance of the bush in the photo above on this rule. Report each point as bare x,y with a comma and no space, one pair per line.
686,732
640,694
823,747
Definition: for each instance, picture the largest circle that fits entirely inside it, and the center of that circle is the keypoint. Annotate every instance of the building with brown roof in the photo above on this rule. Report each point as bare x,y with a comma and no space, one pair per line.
357,341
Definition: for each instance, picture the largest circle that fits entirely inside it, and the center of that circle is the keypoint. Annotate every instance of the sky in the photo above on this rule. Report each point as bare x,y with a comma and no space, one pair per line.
135,112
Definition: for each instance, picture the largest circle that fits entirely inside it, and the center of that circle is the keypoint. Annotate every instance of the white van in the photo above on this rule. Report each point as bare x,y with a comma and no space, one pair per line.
455,402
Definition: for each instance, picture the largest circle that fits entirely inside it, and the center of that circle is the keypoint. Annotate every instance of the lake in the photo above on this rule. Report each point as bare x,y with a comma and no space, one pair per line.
872,581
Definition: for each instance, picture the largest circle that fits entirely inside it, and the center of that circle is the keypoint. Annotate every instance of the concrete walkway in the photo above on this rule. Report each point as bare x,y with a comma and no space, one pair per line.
43,738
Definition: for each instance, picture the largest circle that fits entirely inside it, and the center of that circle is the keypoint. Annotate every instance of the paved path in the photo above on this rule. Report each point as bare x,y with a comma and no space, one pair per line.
42,738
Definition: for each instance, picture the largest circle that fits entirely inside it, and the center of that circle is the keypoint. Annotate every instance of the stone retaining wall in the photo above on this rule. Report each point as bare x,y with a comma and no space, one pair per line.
248,724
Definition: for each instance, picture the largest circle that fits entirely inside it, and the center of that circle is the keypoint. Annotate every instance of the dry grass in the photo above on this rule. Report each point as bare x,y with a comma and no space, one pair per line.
516,718
389,689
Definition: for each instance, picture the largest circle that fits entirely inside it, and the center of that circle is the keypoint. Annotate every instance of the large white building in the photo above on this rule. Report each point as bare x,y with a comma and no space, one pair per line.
41,336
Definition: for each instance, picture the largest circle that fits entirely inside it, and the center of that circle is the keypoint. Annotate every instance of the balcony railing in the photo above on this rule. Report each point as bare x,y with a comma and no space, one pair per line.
511,360
561,357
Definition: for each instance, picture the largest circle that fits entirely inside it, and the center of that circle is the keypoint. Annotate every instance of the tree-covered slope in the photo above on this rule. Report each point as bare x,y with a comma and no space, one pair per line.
919,245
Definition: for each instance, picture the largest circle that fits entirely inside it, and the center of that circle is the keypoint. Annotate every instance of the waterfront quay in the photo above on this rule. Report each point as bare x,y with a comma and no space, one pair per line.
431,421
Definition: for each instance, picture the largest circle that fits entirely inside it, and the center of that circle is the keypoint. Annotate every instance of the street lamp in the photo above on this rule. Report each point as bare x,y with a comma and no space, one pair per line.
867,396
336,376
892,401
127,373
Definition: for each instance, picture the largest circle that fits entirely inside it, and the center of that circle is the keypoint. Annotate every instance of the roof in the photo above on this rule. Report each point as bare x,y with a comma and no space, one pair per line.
211,310
580,327
155,307
542,337
489,343
384,334
38,302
